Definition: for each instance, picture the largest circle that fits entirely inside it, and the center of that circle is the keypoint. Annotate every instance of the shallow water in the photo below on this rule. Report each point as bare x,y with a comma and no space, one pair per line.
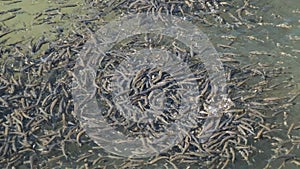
282,44
278,38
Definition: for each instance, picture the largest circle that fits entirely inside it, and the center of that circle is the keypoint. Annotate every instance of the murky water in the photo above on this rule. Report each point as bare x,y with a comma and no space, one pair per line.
275,40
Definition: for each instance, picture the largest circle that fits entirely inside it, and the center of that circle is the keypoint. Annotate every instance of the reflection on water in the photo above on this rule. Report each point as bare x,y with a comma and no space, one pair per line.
34,29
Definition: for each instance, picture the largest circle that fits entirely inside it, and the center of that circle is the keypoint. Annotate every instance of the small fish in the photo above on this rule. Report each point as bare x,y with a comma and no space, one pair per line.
14,9
13,2
7,19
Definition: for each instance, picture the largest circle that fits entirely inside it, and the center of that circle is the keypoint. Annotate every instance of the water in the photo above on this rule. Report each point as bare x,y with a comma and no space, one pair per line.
281,41
275,41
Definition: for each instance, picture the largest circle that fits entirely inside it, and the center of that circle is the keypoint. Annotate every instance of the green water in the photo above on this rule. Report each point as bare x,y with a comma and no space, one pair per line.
278,36
36,19
281,41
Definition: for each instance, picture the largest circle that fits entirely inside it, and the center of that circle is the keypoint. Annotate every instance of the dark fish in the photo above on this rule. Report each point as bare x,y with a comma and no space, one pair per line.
14,10
8,18
13,2
69,6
